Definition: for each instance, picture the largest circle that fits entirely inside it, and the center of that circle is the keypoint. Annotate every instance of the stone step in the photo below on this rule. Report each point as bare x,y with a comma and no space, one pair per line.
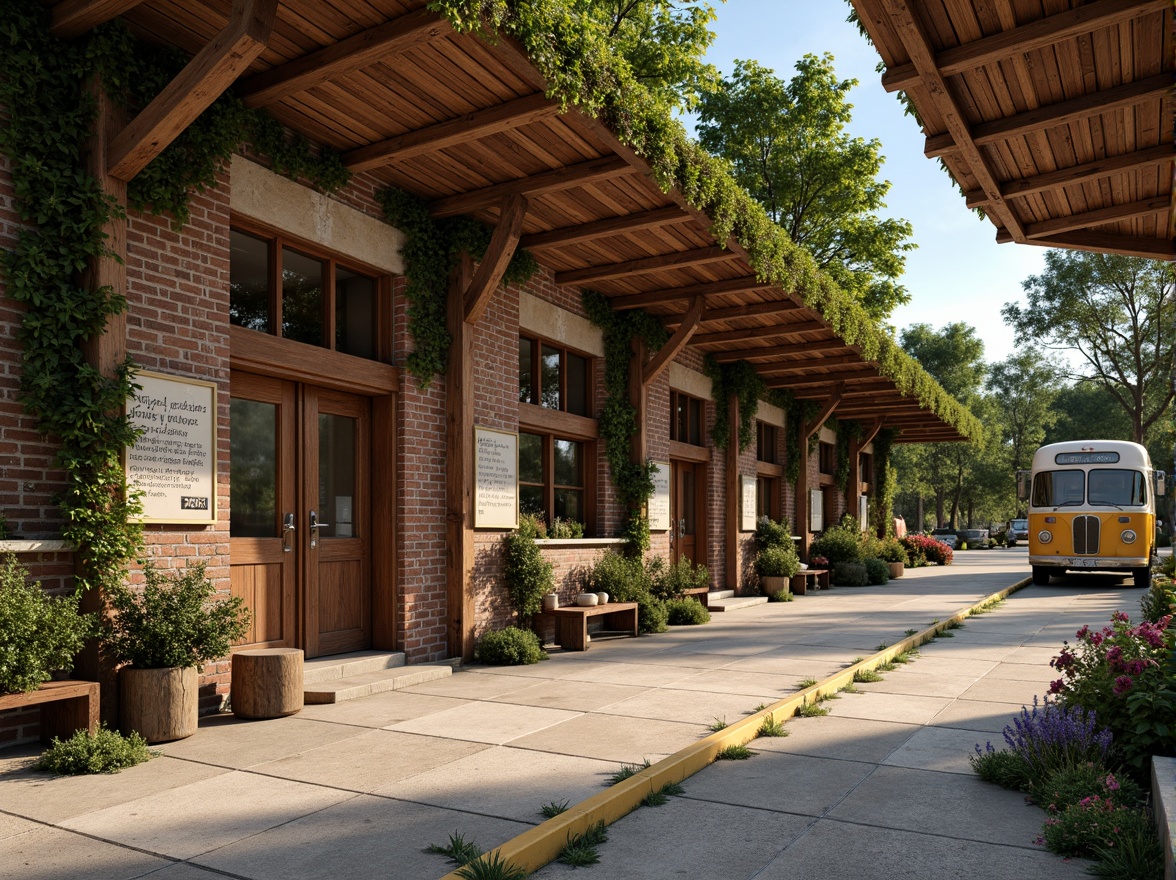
337,666
715,595
736,603
364,684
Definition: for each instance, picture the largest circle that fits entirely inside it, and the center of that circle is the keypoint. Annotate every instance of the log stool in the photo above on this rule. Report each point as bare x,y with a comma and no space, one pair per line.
267,682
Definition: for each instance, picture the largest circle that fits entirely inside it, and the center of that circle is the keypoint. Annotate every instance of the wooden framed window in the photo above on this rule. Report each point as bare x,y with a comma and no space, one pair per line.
554,477
686,419
767,497
827,457
286,289
554,377
767,443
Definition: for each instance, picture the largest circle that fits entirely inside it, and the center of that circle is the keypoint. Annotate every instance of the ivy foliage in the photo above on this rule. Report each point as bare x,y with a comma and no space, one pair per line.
885,484
796,413
738,379
574,54
847,431
431,250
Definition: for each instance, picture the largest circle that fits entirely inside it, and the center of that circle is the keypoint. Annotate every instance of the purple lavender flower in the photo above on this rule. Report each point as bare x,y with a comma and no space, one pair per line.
1049,735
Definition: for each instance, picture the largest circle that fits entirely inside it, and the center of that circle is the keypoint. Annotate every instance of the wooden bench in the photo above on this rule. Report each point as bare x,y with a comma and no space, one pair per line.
699,593
571,622
66,706
821,578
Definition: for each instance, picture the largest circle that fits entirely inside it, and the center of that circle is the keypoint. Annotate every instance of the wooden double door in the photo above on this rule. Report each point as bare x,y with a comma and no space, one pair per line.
300,523
687,511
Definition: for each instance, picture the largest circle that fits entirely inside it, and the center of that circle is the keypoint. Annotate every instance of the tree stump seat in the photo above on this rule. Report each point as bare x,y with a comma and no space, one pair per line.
267,682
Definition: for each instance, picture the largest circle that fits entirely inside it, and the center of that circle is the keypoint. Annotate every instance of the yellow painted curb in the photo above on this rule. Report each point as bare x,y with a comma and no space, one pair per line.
541,845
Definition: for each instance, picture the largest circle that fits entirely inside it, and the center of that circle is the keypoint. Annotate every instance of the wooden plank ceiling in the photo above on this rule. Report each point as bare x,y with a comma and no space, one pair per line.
465,125
1054,116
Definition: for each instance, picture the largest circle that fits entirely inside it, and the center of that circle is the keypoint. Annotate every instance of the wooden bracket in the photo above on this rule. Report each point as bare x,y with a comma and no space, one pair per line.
201,82
498,256
872,430
676,343
826,410
72,18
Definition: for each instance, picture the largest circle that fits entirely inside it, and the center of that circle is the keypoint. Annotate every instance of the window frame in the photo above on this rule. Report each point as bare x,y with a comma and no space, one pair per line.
675,396
539,343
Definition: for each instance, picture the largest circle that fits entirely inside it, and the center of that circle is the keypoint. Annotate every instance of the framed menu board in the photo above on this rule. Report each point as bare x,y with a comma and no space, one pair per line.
173,463
748,505
496,479
659,501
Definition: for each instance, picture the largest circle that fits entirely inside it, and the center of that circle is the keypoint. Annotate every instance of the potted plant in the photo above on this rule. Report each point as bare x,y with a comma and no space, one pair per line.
775,567
890,551
165,632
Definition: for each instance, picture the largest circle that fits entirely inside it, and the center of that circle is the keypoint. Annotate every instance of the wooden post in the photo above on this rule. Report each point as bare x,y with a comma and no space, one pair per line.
731,476
459,448
802,499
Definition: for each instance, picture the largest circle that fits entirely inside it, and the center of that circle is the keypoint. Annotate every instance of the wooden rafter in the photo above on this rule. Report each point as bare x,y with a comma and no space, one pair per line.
742,284
784,368
751,354
72,18
566,177
470,127
825,410
781,331
843,375
605,228
490,270
1107,243
752,310
203,79
818,386
676,343
918,46
1078,174
353,53
1026,38
1097,217
676,259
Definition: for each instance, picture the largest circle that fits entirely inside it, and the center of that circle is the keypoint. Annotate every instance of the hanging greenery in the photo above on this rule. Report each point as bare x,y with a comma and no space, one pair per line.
741,380
51,113
618,417
885,484
847,431
796,413
431,250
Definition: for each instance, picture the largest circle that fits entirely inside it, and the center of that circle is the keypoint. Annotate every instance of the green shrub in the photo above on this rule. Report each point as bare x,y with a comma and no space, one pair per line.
780,596
627,579
1093,823
850,574
777,562
107,751
1071,785
39,634
509,647
686,612
1158,601
652,615
877,572
672,582
528,575
839,543
888,550
565,528
770,533
1004,768
173,620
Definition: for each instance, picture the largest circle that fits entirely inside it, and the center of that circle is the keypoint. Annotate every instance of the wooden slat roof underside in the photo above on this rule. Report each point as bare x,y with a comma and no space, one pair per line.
463,123
1053,116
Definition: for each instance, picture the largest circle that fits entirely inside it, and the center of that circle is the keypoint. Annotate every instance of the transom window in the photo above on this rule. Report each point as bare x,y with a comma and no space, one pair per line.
765,443
827,458
686,415
279,288
552,477
554,377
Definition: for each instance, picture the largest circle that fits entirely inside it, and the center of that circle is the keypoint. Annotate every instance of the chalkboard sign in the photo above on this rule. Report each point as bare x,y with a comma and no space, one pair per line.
496,479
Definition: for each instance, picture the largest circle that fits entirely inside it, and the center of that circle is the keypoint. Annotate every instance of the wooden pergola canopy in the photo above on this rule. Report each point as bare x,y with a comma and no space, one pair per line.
464,124
1055,118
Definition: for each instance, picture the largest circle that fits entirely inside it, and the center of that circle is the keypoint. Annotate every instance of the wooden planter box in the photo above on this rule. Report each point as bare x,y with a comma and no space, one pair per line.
896,569
771,585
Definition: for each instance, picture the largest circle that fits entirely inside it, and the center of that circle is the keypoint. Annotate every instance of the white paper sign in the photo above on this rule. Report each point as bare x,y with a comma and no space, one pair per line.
173,463
816,510
864,512
659,502
496,479
747,519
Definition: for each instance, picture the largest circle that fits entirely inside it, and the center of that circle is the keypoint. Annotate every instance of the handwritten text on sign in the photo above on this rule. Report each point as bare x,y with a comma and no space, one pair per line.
496,485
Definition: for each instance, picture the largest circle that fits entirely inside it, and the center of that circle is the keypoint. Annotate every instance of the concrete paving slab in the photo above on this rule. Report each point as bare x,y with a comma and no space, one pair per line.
778,664
613,738
464,685
700,708
576,696
226,741
876,706
834,736
205,815
370,761
779,781
1005,690
906,681
1023,672
184,871
629,674
49,798
1034,656
984,717
380,710
485,722
506,782
52,854
686,838
728,681
366,838
11,826
943,749
834,849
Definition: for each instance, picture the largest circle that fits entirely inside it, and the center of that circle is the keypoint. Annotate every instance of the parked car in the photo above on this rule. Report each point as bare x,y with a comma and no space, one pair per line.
950,537
977,538
1017,531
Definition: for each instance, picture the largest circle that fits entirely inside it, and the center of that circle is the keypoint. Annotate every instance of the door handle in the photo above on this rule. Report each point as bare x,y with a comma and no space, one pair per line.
682,528
315,525
287,532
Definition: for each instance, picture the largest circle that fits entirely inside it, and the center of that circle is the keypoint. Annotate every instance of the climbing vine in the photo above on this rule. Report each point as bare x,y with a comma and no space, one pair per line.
796,413
63,209
431,250
741,380
885,484
618,417
847,431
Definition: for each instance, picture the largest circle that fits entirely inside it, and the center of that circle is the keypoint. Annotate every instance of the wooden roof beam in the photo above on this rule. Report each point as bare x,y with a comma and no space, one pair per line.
785,368
567,177
918,46
1108,243
605,228
503,242
365,48
676,343
750,354
826,409
751,310
818,386
656,263
72,18
743,284
1098,217
470,127
1026,38
1078,174
203,79
822,379
780,331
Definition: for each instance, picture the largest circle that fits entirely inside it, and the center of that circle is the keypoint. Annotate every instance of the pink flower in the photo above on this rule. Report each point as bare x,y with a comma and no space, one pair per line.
1056,686
1122,684
1111,783
1120,616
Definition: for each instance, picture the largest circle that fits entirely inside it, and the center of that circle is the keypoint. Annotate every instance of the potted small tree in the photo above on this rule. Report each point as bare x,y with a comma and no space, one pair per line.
165,633
776,560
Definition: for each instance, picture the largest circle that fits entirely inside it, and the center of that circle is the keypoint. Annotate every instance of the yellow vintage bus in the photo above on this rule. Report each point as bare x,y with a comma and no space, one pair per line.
1092,507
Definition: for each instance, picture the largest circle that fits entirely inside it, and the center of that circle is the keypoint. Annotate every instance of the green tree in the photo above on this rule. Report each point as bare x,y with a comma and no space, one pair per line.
1024,385
1117,313
788,145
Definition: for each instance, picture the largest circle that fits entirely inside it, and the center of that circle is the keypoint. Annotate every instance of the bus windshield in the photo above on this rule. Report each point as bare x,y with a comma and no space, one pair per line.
1119,487
1055,488
1113,486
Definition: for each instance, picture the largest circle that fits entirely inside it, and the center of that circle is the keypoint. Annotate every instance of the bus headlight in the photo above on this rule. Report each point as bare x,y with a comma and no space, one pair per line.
1128,536
1045,536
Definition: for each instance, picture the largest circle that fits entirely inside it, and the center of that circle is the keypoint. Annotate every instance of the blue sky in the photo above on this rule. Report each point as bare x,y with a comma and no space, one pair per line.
959,272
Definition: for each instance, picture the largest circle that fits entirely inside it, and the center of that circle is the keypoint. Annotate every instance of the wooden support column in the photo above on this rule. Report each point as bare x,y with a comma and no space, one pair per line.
731,477
459,483
806,430
856,445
